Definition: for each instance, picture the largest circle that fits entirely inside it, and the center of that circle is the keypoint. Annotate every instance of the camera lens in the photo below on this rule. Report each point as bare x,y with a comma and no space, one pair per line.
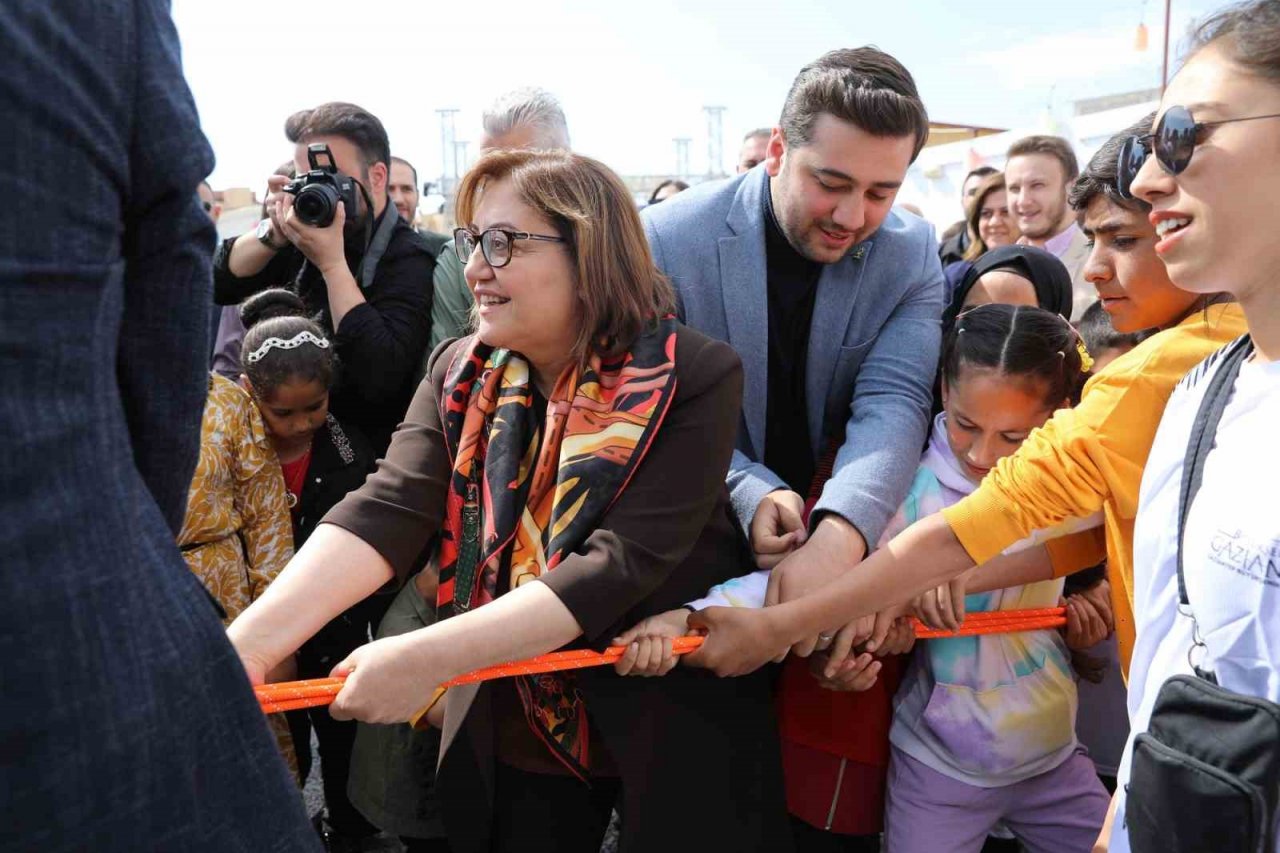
315,204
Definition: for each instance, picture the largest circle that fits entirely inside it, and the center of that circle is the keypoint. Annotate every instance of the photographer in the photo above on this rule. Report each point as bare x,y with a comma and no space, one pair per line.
366,274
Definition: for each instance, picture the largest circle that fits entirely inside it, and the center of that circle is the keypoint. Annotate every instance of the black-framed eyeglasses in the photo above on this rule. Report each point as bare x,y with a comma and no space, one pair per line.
1173,143
495,244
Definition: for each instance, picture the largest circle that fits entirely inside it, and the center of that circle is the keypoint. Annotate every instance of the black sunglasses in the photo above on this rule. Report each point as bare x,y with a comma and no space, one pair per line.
495,244
1173,143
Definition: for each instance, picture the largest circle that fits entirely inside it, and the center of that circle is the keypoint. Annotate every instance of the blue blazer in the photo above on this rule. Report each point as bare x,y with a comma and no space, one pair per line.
873,342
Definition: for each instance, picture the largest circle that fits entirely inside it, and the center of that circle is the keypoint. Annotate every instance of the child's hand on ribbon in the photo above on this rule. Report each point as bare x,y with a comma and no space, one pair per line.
649,644
942,608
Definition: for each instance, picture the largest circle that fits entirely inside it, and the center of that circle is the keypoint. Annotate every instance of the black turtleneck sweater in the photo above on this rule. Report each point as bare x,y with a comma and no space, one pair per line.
792,286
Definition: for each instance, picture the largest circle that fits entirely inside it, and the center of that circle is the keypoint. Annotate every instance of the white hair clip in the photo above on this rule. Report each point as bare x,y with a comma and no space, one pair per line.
296,341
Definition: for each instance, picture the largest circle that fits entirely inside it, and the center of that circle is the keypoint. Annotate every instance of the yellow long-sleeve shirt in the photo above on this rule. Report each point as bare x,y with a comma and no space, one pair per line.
1091,457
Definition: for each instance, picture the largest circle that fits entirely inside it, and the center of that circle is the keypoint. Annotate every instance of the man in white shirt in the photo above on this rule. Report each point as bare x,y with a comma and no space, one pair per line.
1038,173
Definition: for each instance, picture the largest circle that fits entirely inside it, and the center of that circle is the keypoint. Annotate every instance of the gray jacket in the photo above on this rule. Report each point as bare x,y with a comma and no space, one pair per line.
873,343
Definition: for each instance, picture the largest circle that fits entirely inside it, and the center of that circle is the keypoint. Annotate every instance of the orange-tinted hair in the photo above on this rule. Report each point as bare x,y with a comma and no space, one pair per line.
623,293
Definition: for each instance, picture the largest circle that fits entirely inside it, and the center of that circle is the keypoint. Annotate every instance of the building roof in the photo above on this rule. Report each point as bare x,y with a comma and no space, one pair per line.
941,132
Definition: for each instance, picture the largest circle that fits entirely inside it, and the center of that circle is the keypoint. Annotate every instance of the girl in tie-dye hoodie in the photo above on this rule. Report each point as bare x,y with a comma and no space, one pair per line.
984,727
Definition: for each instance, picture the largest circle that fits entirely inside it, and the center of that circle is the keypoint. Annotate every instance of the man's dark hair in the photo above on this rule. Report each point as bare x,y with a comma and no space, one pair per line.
864,86
411,169
1101,176
1099,335
980,172
1055,146
359,127
680,186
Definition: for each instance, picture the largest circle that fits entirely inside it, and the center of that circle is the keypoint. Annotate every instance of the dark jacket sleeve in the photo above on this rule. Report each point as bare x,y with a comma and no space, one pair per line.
381,341
229,289
163,357
401,505
640,541
662,512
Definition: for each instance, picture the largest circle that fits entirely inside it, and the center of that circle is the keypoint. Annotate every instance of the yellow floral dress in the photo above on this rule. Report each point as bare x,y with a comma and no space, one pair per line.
237,534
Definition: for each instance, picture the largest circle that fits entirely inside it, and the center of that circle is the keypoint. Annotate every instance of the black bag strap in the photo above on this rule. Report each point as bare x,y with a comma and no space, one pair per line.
1200,443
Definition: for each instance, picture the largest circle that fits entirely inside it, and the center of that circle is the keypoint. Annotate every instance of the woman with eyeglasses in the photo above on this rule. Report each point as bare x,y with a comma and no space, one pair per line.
990,226
1207,576
567,464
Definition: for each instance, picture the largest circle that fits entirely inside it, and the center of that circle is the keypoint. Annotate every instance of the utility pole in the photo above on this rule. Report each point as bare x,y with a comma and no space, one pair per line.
1164,69
682,156
460,157
715,141
447,155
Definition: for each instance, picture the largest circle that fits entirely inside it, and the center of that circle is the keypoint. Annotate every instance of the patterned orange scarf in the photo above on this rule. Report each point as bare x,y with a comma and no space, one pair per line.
522,502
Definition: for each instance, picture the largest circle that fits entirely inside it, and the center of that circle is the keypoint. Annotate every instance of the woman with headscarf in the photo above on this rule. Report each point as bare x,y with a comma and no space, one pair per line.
1013,275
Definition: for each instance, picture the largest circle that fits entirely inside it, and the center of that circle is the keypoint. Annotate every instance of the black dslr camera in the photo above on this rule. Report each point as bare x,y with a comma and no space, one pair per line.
320,190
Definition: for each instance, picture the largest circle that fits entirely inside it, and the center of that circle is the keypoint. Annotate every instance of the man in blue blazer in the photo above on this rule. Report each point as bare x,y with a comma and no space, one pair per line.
833,300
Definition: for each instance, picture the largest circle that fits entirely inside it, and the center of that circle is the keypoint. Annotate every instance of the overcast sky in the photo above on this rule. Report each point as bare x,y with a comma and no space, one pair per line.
632,76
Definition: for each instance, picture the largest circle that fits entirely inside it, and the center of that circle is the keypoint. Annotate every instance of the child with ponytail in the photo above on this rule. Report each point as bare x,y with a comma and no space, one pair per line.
289,367
984,727
236,536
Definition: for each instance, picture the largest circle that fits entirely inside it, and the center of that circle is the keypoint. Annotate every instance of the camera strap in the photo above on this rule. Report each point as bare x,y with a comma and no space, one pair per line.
378,245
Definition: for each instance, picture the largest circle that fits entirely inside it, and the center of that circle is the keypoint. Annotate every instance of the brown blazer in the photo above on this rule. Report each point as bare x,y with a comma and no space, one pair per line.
698,755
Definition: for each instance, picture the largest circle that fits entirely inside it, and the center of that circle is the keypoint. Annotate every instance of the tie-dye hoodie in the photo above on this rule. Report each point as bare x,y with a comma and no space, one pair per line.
988,711
992,710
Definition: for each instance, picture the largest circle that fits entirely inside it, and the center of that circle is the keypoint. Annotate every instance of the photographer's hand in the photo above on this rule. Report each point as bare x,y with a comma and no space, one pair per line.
275,197
249,255
324,248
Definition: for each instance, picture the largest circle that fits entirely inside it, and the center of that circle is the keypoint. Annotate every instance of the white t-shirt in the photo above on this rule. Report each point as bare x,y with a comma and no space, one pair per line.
1231,555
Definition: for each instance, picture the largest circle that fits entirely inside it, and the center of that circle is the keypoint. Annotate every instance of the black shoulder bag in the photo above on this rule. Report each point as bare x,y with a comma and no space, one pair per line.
1204,776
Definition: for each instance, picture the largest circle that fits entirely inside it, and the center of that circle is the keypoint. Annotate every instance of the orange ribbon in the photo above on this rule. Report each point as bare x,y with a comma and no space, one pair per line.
997,622
295,695
316,692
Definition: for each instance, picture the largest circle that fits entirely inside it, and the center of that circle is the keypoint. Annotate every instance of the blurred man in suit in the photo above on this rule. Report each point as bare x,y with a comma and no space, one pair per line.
127,721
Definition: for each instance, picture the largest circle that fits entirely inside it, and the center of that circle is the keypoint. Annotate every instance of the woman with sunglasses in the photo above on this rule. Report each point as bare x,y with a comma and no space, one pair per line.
570,456
1212,185
1083,460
